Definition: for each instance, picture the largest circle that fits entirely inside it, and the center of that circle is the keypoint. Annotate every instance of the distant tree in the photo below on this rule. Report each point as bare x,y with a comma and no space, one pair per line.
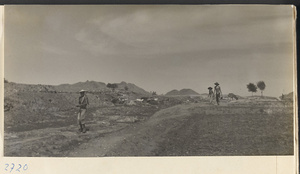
261,85
154,93
5,81
252,88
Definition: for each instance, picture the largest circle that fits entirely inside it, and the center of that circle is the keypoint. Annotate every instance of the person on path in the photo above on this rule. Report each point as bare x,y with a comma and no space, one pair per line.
218,92
83,102
210,94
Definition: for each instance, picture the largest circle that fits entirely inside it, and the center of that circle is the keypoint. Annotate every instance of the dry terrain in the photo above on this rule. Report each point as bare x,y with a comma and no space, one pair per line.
41,123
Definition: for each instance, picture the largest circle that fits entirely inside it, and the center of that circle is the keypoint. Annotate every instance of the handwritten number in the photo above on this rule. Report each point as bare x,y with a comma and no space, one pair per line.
6,166
19,168
25,167
13,166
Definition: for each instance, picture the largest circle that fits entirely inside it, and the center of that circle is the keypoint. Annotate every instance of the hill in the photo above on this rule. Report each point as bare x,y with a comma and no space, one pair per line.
88,85
131,88
93,86
182,92
49,101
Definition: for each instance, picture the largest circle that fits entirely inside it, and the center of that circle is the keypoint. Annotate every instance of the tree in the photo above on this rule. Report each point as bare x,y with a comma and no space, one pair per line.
5,81
261,85
252,88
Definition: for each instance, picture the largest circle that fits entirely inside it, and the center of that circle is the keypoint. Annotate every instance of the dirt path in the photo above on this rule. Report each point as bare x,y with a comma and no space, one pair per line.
198,130
53,141
137,139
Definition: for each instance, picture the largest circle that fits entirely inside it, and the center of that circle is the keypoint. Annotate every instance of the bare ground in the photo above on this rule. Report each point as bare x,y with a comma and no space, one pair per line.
194,129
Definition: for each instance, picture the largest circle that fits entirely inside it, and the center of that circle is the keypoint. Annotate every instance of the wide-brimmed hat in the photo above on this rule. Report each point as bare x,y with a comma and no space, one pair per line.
82,91
216,83
209,88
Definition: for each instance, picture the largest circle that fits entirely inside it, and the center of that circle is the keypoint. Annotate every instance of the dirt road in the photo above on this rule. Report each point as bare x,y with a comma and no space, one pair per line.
200,130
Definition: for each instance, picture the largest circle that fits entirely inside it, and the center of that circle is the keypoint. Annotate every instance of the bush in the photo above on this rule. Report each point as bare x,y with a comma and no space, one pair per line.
114,100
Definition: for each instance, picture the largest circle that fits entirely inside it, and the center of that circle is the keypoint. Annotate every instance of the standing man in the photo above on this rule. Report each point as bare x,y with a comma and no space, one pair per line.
83,102
218,92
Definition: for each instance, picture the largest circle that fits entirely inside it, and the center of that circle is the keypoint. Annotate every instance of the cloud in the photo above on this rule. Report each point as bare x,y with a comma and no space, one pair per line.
167,30
149,44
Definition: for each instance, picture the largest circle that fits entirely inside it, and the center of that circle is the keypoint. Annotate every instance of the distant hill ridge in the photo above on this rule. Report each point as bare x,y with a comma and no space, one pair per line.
182,92
87,85
99,86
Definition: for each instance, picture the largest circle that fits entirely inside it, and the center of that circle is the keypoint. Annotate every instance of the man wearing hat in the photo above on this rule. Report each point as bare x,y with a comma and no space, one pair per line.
83,102
210,94
218,92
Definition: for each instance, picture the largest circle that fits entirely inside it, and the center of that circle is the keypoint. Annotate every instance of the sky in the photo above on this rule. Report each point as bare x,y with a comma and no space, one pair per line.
157,47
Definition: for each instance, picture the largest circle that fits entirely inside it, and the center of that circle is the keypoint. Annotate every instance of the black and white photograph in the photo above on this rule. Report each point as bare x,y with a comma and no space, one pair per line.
149,80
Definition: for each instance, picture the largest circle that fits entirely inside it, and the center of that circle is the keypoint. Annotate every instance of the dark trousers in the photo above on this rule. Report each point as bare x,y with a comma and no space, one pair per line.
218,98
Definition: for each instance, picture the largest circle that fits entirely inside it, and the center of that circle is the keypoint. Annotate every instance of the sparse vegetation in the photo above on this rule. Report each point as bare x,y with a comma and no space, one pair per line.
45,123
126,88
232,96
114,100
112,86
